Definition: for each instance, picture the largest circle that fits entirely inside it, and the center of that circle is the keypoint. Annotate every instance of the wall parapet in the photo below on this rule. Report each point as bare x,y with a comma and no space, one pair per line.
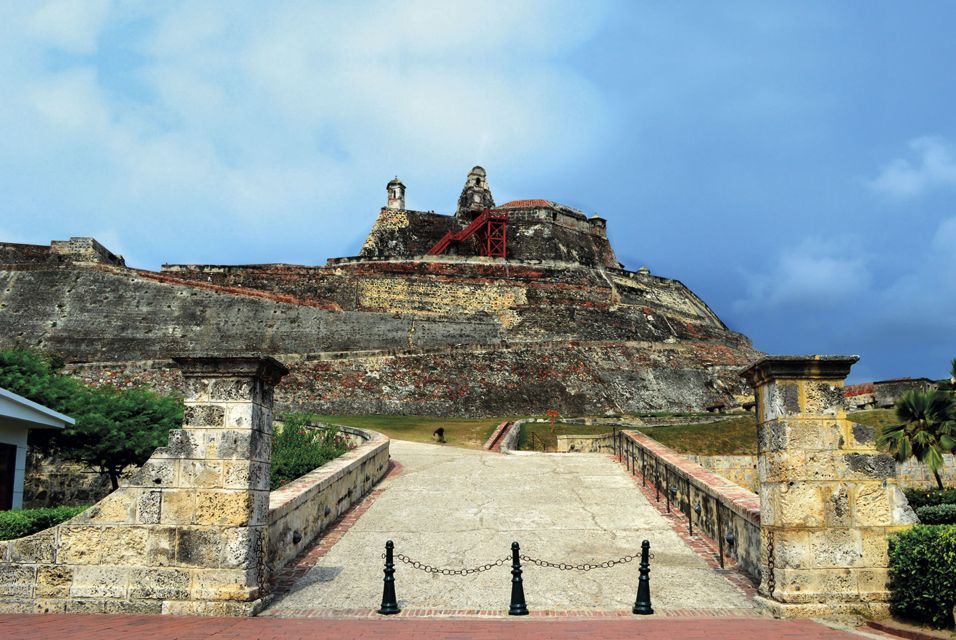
728,513
302,509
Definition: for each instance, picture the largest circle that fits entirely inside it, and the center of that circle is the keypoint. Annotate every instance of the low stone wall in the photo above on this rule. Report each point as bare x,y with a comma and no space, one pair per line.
740,470
300,510
493,443
743,471
578,443
724,511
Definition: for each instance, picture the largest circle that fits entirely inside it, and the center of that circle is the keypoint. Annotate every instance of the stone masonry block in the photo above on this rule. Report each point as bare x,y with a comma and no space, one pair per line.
79,544
100,581
160,546
36,549
239,547
225,584
204,415
160,584
823,397
872,505
868,466
148,507
243,474
17,581
178,506
116,508
54,581
837,507
123,545
234,390
156,473
201,473
799,504
223,507
199,546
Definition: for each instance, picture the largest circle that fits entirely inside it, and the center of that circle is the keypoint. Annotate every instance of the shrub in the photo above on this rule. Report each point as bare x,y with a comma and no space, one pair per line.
23,522
923,574
937,514
928,497
297,449
115,429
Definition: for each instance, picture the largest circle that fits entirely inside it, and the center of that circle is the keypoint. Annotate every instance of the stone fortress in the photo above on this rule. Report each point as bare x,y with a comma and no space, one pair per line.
496,309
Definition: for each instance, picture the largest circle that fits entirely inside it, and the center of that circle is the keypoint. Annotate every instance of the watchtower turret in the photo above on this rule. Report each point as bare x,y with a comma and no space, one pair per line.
476,196
396,194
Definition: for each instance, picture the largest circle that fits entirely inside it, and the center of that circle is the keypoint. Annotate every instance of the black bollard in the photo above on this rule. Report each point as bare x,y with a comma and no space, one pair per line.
389,602
642,605
518,606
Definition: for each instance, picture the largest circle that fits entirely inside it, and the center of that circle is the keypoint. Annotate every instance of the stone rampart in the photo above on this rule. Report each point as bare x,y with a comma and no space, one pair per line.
391,336
300,510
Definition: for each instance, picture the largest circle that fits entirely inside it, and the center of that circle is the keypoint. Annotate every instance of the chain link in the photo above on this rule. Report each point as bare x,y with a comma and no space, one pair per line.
260,559
445,571
771,581
584,566
562,566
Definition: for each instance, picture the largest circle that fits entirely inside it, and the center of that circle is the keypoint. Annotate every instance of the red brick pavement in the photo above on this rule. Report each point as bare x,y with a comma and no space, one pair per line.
104,627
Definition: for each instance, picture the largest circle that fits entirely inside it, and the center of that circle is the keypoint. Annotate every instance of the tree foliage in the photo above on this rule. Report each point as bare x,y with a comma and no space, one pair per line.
297,448
927,431
114,429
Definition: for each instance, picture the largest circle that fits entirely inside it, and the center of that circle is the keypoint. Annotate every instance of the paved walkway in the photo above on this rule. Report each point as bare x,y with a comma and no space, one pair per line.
106,627
461,508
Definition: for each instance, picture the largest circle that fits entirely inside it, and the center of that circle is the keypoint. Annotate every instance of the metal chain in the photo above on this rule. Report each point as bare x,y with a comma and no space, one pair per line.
427,568
584,566
771,581
261,559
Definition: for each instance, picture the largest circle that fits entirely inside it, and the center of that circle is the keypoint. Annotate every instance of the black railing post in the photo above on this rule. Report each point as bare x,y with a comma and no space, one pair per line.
389,602
720,533
518,606
642,605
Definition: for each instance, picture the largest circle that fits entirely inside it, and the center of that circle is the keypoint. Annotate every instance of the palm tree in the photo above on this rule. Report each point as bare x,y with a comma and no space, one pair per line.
952,371
927,432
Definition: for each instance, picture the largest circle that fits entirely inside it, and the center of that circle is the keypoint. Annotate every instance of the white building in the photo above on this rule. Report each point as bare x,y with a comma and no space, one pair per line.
17,416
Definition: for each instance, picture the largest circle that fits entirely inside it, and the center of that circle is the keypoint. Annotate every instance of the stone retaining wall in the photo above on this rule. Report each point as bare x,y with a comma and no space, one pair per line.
300,510
724,511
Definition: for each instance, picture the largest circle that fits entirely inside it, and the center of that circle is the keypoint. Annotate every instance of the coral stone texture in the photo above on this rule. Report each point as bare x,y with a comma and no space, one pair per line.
557,324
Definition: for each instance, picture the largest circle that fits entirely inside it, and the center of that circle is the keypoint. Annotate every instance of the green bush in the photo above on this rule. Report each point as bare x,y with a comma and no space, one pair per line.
23,522
929,497
923,574
937,514
115,429
297,449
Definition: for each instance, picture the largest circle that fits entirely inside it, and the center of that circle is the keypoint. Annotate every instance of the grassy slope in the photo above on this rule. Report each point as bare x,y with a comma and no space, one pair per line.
459,432
738,435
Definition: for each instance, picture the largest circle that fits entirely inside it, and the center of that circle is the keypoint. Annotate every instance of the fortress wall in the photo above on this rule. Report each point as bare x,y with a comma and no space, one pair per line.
95,315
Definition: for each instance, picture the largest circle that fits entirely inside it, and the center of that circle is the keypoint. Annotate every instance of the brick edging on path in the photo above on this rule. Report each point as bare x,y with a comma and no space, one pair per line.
902,630
701,544
300,565
549,614
493,443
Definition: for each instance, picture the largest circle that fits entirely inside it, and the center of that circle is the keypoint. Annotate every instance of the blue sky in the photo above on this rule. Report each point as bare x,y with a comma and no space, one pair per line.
793,163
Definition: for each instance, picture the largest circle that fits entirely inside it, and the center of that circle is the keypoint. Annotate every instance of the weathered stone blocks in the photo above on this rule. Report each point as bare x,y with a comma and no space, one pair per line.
828,498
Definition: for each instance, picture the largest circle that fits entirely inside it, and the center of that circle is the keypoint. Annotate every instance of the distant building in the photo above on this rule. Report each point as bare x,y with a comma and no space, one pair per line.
883,394
17,417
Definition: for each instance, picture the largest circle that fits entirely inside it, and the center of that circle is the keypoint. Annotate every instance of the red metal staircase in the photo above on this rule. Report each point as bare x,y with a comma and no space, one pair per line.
492,226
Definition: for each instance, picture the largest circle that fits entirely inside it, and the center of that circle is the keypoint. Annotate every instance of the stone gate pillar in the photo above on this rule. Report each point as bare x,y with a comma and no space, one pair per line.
828,498
223,508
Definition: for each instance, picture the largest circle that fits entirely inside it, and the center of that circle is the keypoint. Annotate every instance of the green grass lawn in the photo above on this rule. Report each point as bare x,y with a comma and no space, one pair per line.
459,432
737,435
879,418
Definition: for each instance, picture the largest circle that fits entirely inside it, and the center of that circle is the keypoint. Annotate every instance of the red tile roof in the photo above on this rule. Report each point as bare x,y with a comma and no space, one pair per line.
526,203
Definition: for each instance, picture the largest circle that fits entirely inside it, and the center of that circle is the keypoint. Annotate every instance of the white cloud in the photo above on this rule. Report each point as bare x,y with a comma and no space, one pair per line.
930,166
70,25
816,273
294,113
